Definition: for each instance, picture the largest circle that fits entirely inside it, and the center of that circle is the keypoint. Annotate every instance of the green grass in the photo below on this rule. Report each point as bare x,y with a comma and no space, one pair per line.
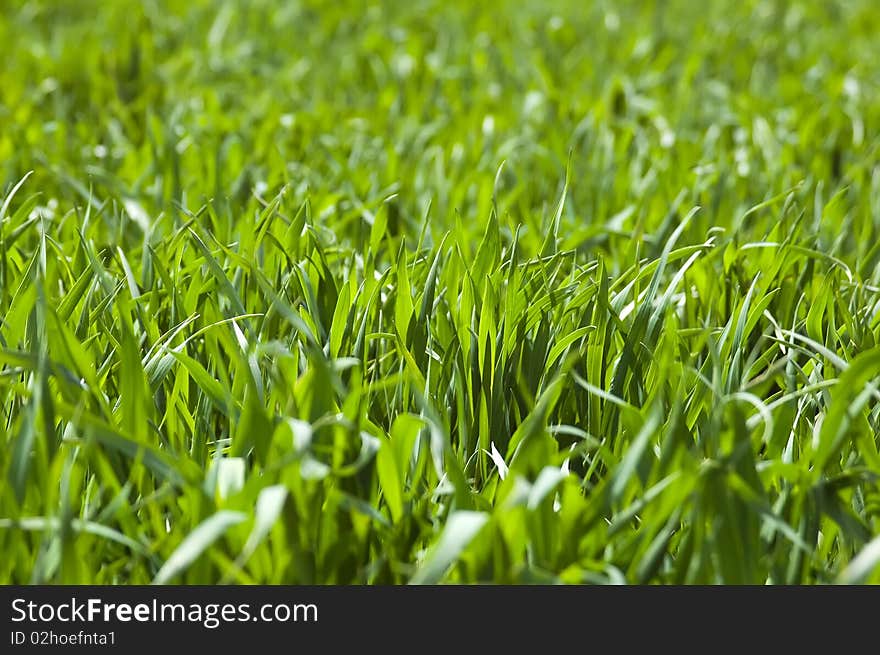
307,292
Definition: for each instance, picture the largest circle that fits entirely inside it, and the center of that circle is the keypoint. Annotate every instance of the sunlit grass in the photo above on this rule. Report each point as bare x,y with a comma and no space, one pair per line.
439,292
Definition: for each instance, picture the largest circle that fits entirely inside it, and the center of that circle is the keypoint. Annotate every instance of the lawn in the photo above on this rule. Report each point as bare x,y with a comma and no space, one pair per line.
440,292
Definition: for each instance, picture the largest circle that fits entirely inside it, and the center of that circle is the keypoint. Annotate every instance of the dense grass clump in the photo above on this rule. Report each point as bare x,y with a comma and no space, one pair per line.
422,291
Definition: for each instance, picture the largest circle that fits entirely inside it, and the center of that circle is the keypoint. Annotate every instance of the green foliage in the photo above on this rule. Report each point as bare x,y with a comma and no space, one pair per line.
514,292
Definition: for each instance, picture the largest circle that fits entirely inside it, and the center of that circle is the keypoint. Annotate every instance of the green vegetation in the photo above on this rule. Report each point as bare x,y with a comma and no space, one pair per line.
312,292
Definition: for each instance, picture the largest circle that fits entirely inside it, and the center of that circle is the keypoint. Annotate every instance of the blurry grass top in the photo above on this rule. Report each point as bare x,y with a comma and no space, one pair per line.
418,292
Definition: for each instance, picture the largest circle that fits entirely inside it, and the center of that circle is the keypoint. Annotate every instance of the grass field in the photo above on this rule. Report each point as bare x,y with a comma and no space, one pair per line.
392,292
